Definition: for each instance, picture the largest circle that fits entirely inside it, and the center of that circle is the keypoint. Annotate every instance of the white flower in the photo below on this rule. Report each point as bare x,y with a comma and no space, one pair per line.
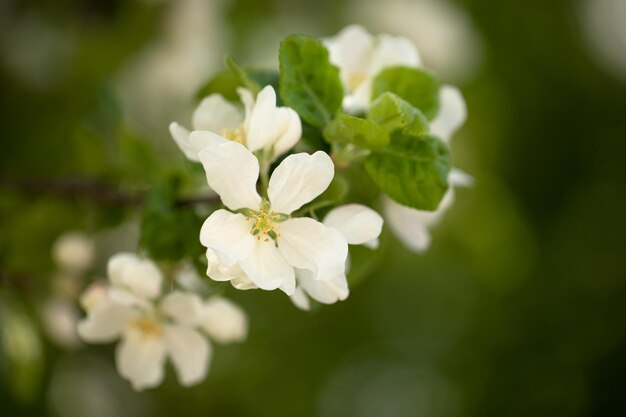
59,318
149,331
73,252
261,241
413,226
264,127
360,56
452,113
223,321
359,225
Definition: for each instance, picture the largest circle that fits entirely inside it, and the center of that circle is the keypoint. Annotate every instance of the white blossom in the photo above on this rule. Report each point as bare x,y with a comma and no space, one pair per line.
262,127
258,240
151,328
59,318
223,320
360,56
359,225
73,252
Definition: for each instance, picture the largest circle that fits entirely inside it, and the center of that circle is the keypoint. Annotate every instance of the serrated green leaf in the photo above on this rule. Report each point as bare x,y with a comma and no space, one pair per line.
346,129
394,113
412,171
309,83
418,87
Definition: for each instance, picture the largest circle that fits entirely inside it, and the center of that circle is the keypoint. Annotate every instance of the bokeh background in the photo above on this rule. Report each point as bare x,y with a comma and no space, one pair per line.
518,308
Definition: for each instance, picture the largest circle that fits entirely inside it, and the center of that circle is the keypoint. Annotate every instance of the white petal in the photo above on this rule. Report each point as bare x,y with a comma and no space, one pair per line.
267,268
288,130
300,299
452,113
228,235
201,139
259,124
224,321
141,276
215,113
232,171
181,307
74,252
458,178
299,179
95,293
351,51
247,98
181,137
218,271
140,358
105,322
392,51
190,353
327,292
308,244
357,223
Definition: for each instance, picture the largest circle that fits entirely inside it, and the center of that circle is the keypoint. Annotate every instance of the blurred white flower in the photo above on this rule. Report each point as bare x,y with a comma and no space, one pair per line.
263,127
152,327
260,240
59,318
360,56
73,252
359,225
452,113
223,320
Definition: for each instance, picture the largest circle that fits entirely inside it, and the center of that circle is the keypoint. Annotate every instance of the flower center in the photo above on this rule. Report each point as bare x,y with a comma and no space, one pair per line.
354,80
265,222
236,135
148,328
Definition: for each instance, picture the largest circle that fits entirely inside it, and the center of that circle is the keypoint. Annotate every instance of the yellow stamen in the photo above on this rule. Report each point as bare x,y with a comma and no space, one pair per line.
236,135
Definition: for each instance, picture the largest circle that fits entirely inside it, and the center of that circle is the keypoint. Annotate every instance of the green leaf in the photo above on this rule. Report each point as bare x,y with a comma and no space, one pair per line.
414,85
227,81
309,83
356,131
412,171
169,232
394,113
244,79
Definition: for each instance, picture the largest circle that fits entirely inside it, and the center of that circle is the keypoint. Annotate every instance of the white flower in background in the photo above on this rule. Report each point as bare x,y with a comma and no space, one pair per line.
263,126
73,252
223,320
360,56
359,225
151,328
59,317
413,226
258,239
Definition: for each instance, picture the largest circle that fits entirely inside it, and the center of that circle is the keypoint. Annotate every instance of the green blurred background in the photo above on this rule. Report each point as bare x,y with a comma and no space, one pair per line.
518,308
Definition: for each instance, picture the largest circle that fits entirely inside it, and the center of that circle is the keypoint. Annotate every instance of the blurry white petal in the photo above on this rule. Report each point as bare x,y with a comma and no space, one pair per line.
215,113
140,358
327,292
350,50
357,223
181,137
266,267
224,321
93,295
299,179
190,353
393,51
181,307
59,319
300,299
141,276
105,322
200,139
259,124
372,244
458,178
232,171
247,98
74,252
308,244
452,113
288,130
228,235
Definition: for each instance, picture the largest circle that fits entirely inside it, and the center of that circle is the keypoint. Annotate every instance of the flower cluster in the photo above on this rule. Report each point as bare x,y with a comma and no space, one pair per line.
153,327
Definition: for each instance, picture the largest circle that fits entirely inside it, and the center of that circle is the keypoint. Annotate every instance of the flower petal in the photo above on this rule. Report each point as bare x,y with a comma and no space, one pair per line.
181,137
215,113
392,51
350,50
190,353
458,178
452,113
141,276
299,179
105,321
357,223
308,244
228,235
267,268
183,308
288,130
259,124
327,292
224,321
300,299
232,171
140,358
